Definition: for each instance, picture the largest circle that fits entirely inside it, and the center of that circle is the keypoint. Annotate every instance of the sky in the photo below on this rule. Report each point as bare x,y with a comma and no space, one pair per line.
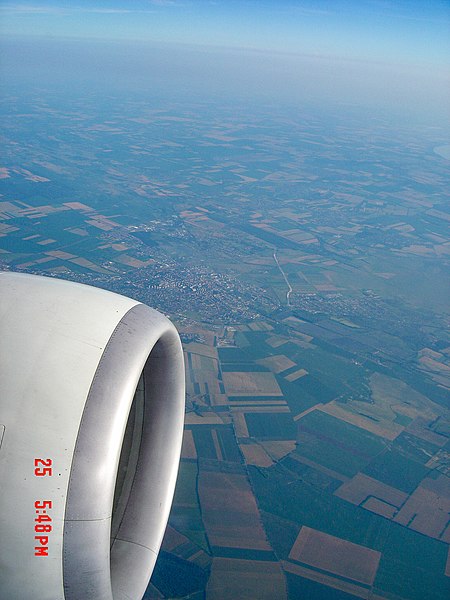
395,51
399,30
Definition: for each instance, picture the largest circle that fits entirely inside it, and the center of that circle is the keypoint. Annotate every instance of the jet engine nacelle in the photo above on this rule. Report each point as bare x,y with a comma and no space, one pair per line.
91,423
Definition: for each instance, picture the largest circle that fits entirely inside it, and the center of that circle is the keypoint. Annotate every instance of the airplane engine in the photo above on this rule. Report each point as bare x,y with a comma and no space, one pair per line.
91,423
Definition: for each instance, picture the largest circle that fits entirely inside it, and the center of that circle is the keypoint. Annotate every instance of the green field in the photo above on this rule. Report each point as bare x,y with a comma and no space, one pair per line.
186,515
393,468
336,444
412,565
271,426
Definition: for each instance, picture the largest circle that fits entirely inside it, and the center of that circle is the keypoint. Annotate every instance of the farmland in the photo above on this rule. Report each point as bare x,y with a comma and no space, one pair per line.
320,416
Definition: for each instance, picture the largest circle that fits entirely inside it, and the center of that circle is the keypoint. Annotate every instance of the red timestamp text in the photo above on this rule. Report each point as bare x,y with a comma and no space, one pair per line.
42,525
43,467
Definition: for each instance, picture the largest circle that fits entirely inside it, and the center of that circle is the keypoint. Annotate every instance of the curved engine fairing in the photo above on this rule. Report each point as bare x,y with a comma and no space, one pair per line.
91,420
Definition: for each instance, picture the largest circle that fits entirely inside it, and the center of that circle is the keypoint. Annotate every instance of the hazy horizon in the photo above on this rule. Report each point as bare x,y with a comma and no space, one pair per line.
371,54
238,74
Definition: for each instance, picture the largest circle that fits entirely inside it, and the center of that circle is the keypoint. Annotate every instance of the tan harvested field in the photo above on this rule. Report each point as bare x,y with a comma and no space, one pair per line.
173,539
300,236
254,454
320,468
195,361
326,287
210,378
333,582
240,383
335,555
385,429
103,224
229,511
425,511
240,424
41,261
379,507
446,535
78,206
293,321
46,242
417,250
278,450
441,485
431,364
189,214
277,363
201,559
235,579
385,275
441,380
60,269
292,215
276,341
60,254
188,449
362,487
257,402
204,367
205,419
296,375
312,240
79,231
304,337
302,344
307,411
190,387
419,428
181,546
88,264
202,349
431,353
216,443
218,399
192,392
133,262
153,593
260,326
346,322
262,409
392,396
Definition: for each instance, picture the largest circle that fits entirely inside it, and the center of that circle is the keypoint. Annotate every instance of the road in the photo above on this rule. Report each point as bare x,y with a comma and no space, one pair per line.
288,293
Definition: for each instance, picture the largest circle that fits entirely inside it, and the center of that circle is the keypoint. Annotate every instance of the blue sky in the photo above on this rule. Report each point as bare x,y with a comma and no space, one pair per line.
394,55
409,31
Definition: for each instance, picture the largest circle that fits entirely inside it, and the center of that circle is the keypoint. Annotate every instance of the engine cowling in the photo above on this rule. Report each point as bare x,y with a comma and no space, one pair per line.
91,423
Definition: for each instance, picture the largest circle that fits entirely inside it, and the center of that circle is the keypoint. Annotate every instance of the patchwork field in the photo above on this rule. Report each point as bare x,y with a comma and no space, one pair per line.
246,579
251,384
336,444
350,590
254,454
277,363
188,449
362,487
427,512
230,512
302,253
333,555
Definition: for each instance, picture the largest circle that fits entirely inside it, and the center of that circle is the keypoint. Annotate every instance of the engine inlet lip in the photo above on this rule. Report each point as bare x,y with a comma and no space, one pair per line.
144,343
